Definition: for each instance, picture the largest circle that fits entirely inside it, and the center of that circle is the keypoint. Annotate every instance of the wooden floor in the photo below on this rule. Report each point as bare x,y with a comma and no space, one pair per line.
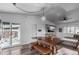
26,50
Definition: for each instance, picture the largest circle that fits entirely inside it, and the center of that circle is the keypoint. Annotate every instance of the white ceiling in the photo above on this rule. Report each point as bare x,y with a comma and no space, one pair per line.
8,7
30,7
52,10
68,6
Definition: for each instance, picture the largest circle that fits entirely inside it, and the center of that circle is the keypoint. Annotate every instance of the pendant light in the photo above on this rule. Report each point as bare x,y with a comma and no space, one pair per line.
42,9
43,17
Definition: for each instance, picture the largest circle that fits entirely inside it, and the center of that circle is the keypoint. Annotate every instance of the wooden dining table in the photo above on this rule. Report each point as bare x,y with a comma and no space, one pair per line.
44,43
49,43
42,50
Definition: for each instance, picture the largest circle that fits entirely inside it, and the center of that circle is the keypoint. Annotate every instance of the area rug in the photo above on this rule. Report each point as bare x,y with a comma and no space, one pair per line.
66,51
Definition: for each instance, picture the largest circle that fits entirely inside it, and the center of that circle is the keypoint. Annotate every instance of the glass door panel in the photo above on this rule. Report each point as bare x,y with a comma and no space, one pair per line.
15,34
6,35
0,33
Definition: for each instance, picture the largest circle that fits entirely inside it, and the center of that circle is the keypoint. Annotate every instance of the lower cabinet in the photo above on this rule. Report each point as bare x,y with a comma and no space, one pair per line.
0,51
11,51
5,51
16,51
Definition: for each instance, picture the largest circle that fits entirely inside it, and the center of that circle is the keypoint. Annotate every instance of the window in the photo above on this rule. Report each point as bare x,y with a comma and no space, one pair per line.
77,30
71,29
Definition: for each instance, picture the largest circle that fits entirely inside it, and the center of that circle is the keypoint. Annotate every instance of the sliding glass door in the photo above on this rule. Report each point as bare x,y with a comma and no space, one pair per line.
9,34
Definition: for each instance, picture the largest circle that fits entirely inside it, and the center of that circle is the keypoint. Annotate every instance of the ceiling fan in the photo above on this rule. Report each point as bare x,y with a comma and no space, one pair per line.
65,18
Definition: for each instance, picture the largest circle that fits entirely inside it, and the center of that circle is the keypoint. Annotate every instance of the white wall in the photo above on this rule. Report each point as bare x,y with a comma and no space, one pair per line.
30,28
28,24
